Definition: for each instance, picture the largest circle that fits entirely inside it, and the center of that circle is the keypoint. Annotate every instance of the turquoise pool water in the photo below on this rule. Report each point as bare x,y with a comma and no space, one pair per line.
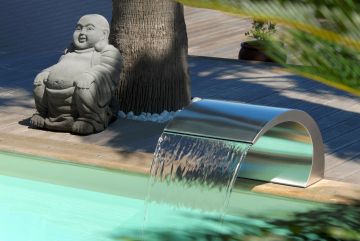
51,200
32,210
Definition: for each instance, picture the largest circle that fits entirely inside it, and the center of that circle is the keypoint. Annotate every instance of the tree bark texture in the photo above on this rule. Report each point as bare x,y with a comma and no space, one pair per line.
151,37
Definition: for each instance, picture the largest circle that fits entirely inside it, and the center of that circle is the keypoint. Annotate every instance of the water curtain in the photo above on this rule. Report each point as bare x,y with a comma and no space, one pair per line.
195,172
211,142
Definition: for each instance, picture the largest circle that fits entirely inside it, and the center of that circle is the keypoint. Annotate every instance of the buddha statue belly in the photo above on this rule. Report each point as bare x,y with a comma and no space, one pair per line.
63,74
60,85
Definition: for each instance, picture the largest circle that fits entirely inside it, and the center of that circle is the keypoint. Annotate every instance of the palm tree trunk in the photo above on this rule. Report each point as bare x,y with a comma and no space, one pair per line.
151,36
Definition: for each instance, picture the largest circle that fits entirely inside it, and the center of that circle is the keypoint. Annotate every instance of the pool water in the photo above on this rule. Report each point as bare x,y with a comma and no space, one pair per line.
32,210
51,200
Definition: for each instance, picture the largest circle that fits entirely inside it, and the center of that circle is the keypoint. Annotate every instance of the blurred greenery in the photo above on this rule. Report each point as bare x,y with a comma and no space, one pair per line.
320,38
261,30
330,223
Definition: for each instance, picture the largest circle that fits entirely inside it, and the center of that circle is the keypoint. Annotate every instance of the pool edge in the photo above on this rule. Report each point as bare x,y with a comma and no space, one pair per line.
326,191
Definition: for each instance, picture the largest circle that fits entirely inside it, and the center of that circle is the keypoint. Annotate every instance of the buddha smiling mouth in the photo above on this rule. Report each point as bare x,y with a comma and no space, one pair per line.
82,38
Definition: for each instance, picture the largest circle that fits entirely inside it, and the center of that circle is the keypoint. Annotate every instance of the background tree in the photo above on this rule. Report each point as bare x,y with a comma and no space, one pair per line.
323,35
151,36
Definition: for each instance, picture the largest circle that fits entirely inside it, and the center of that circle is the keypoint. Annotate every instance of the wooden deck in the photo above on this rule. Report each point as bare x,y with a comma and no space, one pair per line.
210,34
215,34
337,113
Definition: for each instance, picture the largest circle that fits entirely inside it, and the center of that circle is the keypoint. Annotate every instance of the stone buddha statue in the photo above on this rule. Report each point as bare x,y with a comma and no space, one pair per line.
77,94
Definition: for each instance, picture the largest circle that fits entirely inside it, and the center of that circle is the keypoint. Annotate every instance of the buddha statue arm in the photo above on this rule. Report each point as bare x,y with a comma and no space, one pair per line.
42,77
105,74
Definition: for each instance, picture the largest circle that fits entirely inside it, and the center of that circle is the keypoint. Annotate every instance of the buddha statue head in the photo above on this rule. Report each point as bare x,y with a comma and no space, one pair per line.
92,31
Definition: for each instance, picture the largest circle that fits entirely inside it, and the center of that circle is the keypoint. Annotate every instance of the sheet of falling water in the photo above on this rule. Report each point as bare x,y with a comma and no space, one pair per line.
191,175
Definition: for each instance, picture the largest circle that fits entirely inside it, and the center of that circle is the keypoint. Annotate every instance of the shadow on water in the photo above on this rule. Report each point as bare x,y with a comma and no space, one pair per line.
329,223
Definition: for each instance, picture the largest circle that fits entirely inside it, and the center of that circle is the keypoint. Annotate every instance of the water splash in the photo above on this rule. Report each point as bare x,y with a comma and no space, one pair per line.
193,173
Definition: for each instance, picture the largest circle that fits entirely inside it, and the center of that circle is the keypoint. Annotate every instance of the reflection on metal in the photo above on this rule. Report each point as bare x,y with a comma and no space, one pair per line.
287,144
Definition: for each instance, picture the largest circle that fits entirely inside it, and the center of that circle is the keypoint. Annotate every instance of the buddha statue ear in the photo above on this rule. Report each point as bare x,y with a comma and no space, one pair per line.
99,46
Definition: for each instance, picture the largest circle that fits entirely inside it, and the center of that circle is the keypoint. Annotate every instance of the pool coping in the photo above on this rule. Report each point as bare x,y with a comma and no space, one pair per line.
326,191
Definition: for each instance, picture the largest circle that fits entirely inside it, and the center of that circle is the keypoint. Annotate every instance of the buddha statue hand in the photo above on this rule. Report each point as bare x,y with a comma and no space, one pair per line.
41,78
84,81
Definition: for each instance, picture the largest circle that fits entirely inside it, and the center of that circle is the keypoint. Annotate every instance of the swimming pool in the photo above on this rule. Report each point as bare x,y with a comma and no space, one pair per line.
42,199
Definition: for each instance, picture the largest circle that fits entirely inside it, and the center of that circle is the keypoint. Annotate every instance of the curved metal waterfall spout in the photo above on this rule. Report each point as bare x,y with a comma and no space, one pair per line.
287,144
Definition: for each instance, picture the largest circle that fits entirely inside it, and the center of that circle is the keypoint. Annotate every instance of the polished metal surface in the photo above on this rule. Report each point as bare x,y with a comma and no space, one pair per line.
287,144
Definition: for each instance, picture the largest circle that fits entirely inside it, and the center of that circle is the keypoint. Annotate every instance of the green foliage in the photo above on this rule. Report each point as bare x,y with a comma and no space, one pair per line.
318,58
261,30
322,37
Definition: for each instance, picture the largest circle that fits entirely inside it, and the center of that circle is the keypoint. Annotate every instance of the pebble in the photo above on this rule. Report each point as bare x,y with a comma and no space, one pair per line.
159,118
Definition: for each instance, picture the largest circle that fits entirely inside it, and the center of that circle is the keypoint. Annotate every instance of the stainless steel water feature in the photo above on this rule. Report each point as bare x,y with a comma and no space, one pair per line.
287,144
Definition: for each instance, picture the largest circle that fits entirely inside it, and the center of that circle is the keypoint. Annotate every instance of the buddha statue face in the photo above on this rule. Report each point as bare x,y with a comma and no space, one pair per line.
90,30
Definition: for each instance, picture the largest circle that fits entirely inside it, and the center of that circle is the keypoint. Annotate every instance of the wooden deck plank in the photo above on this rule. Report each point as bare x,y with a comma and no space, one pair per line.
206,29
334,160
5,118
339,155
342,172
353,178
288,98
279,100
341,128
9,122
339,144
337,116
340,102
